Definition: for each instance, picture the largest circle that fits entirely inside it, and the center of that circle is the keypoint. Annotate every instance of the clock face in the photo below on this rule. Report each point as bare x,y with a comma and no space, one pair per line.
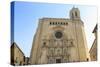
58,34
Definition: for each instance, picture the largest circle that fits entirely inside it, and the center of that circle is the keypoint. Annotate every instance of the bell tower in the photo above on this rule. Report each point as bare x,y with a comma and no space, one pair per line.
74,14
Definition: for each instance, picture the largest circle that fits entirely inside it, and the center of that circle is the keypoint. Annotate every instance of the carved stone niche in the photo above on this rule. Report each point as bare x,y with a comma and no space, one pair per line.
50,51
51,42
68,43
71,44
65,59
45,43
50,60
59,43
58,51
66,51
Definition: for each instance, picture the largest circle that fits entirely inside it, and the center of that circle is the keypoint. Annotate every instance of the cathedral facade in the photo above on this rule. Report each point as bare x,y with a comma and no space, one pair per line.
60,40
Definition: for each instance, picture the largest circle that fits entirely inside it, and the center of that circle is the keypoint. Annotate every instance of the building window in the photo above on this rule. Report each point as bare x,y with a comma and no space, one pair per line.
21,63
58,34
87,59
93,56
66,23
44,44
76,14
53,23
56,23
61,23
72,15
50,23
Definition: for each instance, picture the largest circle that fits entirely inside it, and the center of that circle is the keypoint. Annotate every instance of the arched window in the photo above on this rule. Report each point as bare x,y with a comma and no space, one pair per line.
72,15
56,23
44,44
66,23
76,14
53,23
61,23
50,23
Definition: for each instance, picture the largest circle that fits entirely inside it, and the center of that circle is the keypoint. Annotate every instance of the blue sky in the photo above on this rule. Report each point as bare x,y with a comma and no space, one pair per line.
27,14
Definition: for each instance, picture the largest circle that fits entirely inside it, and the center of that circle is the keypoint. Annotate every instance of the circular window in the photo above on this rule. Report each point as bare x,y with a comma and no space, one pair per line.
58,34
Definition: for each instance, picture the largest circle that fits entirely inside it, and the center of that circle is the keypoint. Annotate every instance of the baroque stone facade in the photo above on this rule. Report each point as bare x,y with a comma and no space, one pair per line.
60,40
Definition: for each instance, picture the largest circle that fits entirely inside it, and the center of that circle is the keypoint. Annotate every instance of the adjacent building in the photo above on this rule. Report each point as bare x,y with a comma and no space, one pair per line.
17,56
60,40
93,49
27,61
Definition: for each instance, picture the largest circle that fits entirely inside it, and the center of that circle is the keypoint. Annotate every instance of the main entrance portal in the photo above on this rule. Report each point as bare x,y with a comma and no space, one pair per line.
58,60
